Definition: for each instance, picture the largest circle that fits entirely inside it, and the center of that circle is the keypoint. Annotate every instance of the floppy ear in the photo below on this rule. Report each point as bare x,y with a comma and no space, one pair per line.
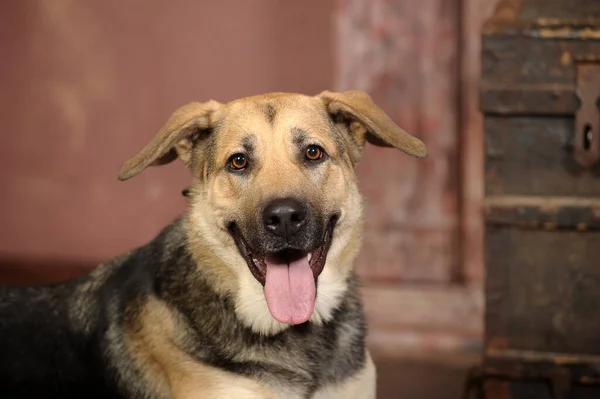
377,128
173,139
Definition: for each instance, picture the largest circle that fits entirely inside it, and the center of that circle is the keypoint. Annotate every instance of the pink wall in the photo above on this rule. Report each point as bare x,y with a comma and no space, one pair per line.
85,84
412,73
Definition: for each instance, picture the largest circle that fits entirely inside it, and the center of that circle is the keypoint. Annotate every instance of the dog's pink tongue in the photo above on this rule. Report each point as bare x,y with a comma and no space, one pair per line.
290,291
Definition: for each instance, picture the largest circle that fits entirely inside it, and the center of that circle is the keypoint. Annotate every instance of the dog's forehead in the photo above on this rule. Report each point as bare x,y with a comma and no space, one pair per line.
286,110
280,100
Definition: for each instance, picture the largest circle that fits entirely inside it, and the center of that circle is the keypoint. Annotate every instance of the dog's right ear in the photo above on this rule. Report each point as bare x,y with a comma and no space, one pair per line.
377,127
173,140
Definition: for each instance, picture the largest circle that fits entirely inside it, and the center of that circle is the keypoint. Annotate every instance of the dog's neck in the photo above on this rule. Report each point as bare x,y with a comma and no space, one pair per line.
217,335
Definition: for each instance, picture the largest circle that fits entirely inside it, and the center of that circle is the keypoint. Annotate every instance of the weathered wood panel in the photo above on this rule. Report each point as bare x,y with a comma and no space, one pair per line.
547,213
534,156
531,61
471,157
542,290
542,208
406,57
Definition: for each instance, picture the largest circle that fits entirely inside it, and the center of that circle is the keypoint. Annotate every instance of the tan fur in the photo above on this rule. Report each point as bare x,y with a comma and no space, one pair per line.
179,127
219,197
380,128
152,341
360,386
153,345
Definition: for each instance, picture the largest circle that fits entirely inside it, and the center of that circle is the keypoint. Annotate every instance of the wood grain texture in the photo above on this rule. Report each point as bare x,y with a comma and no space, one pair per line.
542,290
527,155
473,15
542,238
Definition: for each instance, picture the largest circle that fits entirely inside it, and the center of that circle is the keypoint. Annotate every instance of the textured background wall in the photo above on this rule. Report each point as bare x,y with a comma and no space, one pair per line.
407,58
86,83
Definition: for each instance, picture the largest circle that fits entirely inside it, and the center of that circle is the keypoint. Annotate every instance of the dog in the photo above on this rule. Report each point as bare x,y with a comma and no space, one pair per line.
251,293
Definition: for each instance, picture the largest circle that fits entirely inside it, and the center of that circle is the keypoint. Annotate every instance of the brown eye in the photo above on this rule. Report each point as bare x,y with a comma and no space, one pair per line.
238,162
313,153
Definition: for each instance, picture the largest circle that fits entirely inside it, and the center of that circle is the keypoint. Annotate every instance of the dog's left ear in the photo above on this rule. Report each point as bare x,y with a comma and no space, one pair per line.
374,126
173,140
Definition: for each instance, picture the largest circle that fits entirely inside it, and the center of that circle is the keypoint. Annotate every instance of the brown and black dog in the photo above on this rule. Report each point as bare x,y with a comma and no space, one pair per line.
250,294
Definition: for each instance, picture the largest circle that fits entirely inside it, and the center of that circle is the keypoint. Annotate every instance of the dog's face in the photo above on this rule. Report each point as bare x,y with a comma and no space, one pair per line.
274,198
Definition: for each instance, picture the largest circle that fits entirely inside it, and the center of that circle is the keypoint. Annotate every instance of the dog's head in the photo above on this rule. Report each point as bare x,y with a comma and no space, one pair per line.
274,201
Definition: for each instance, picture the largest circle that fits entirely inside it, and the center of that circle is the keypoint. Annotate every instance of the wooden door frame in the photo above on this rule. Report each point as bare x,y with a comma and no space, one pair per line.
436,320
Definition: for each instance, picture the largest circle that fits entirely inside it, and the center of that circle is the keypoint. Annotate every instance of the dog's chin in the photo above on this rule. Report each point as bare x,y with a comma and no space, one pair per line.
288,276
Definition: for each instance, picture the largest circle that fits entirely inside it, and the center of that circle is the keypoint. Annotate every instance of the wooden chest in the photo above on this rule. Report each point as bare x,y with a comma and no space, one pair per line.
540,97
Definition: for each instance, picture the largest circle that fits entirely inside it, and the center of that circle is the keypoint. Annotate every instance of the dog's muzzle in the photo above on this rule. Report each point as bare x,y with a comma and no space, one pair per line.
287,253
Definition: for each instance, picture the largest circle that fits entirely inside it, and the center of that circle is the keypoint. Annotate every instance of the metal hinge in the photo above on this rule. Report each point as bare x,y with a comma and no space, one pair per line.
587,118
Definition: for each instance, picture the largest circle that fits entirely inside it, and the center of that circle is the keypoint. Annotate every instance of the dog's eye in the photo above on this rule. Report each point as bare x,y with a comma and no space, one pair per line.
314,153
238,162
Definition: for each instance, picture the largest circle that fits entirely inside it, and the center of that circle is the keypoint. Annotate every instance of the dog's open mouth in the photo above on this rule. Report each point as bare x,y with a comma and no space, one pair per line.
289,276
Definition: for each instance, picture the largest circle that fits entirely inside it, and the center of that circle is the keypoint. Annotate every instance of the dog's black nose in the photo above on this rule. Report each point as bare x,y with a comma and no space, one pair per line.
284,217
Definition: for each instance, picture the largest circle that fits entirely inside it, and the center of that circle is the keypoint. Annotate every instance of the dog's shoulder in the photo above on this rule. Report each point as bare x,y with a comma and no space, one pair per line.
56,336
